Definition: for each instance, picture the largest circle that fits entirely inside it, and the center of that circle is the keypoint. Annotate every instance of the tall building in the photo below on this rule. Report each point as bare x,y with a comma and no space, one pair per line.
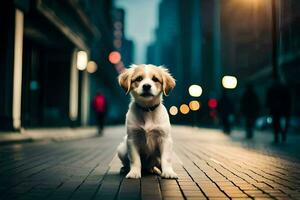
185,43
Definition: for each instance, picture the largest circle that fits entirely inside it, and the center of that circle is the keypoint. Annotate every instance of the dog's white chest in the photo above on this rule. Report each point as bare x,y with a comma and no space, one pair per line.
148,136
148,128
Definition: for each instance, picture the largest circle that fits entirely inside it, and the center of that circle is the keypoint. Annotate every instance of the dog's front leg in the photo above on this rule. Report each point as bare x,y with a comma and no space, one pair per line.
166,159
135,160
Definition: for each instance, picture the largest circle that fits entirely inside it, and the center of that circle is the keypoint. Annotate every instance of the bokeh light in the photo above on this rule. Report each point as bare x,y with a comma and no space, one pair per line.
184,109
114,57
194,105
229,82
212,103
195,90
82,59
91,67
173,110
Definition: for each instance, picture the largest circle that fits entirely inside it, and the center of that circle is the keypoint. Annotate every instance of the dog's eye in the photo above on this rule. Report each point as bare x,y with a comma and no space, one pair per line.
155,79
139,78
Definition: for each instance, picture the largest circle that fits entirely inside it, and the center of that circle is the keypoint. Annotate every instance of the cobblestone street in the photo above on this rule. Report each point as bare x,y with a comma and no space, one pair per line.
210,165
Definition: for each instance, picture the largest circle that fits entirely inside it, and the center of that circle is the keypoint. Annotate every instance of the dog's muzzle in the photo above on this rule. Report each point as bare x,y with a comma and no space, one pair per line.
147,91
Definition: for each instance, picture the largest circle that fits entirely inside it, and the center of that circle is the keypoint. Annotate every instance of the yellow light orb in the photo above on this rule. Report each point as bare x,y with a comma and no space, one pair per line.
194,105
173,110
91,67
82,59
184,109
229,82
195,90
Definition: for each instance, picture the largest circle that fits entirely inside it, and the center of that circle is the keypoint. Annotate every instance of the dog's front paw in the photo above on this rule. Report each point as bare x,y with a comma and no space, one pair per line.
169,174
134,173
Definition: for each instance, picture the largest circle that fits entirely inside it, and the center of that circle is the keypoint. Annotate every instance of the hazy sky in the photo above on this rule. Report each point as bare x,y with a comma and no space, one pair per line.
141,19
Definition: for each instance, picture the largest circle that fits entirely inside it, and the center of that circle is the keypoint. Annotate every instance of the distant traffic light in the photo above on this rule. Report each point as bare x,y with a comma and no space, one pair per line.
212,103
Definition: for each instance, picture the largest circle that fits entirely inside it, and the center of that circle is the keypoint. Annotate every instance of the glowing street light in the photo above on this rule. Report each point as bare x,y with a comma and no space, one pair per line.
173,110
229,82
195,90
184,109
114,57
82,60
91,67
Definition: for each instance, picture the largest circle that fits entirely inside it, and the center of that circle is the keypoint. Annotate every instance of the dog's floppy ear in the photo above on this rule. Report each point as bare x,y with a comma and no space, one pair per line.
125,79
168,81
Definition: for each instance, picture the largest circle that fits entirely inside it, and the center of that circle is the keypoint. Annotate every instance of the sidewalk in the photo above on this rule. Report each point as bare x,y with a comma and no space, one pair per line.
55,134
210,165
264,141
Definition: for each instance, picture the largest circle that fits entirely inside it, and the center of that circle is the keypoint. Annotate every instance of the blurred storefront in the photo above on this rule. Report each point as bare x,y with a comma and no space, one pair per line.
41,84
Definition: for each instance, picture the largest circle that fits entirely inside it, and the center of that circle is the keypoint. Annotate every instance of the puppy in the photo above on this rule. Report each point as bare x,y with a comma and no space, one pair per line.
148,143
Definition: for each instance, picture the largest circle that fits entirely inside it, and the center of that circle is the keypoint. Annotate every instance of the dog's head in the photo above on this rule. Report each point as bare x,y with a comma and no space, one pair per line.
146,82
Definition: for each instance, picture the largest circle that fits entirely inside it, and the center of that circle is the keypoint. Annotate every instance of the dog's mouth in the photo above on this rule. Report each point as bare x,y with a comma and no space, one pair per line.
147,94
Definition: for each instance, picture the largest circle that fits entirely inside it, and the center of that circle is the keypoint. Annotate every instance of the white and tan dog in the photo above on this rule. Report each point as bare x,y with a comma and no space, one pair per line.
148,143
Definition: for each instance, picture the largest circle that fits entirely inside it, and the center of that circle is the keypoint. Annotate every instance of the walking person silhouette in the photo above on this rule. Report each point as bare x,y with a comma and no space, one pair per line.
279,105
225,110
250,108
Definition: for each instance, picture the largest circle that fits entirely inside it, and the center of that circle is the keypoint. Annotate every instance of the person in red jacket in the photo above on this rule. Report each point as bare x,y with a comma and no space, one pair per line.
100,107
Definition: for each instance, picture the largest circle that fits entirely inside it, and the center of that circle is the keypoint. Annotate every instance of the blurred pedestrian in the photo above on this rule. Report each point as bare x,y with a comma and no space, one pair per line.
225,111
279,105
250,109
100,107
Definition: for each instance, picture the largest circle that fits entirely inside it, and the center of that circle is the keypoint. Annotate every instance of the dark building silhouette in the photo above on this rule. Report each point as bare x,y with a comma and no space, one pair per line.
187,43
165,50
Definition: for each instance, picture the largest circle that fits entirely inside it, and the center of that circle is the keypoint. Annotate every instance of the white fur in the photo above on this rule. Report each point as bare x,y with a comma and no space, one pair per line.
148,143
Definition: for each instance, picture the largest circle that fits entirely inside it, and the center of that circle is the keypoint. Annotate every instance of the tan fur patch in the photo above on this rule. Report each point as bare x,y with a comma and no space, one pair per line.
165,82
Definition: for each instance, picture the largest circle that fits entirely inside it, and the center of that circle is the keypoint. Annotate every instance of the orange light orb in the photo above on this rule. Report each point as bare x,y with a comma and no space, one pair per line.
184,109
194,105
114,57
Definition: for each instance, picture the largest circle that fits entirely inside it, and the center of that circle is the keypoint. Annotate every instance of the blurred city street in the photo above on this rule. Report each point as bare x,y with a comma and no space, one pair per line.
210,165
226,71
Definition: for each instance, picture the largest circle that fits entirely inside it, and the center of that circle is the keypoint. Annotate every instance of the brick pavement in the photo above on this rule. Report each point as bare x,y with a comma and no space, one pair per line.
209,164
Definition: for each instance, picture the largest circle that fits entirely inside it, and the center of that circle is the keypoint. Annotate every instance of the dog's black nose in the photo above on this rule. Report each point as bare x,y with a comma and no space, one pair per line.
146,87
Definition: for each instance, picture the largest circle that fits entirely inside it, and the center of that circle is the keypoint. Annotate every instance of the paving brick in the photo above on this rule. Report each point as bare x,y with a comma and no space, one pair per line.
209,166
